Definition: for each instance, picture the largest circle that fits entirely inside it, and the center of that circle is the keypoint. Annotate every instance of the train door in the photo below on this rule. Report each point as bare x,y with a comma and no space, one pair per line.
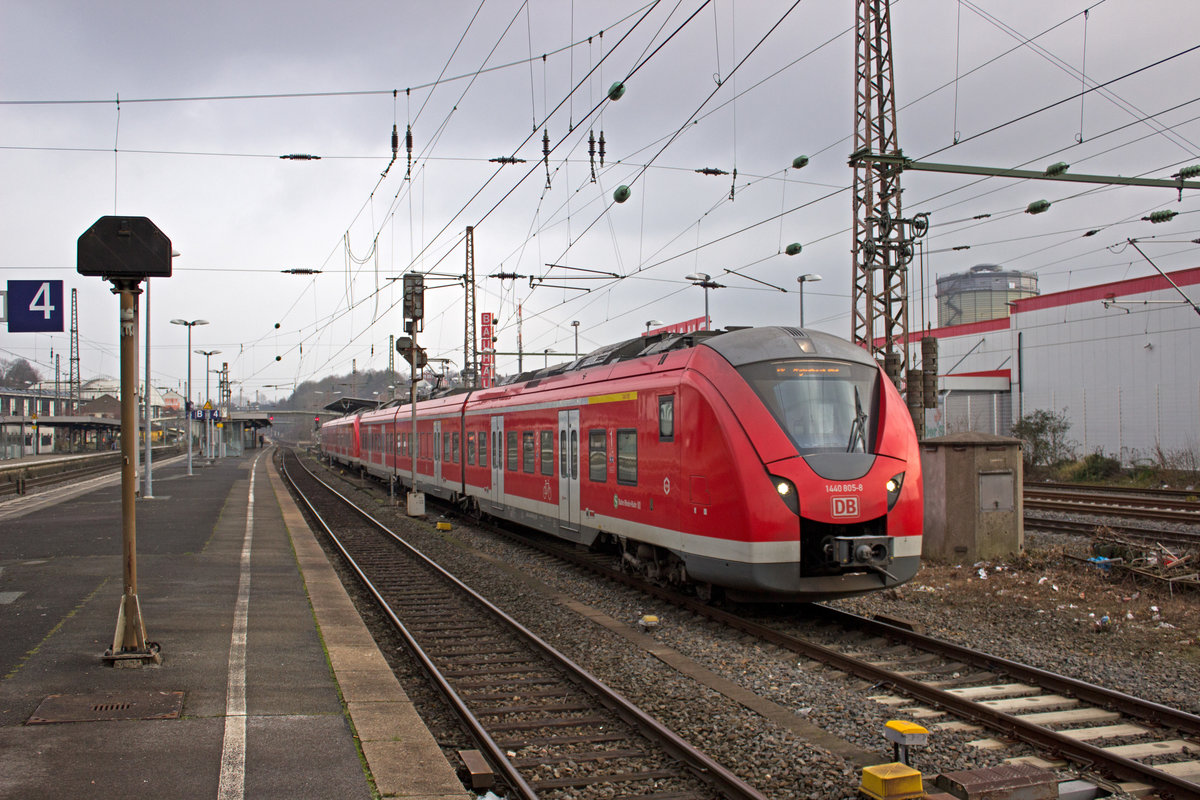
568,469
497,460
437,453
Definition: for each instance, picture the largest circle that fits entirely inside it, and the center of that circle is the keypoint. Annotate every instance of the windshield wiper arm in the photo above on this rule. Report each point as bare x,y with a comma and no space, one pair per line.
858,427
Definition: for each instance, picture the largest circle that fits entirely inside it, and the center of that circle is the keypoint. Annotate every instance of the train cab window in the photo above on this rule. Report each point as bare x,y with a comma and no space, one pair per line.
528,451
627,456
483,450
597,456
512,454
470,449
547,452
455,449
824,406
666,418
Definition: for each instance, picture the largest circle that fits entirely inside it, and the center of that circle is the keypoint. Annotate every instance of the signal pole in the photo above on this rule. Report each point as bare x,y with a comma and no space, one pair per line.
126,251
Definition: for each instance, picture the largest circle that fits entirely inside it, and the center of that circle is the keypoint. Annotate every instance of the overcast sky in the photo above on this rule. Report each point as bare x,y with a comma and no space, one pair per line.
211,94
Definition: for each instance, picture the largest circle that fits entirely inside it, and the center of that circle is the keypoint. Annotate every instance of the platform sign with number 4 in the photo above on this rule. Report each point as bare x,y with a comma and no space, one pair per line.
34,306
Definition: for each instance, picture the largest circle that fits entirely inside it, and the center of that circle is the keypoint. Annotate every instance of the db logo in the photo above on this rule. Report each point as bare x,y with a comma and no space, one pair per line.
845,506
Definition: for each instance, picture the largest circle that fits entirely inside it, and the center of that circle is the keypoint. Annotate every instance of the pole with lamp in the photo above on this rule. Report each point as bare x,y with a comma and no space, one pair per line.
806,278
187,403
705,280
650,323
149,491
207,415
575,325
127,251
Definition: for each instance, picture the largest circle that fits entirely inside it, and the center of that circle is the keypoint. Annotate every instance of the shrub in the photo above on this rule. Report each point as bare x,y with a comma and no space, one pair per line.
1045,436
1097,467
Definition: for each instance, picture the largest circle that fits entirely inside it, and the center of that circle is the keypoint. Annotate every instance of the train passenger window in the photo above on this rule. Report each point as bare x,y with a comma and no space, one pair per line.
562,454
470,449
483,450
512,454
455,449
446,443
547,452
597,456
627,456
528,451
666,418
574,455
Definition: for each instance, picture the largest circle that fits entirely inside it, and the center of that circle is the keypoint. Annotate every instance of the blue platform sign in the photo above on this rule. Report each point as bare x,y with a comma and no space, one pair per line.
35,306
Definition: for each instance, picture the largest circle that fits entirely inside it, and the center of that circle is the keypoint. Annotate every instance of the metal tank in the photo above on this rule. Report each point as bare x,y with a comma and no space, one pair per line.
981,293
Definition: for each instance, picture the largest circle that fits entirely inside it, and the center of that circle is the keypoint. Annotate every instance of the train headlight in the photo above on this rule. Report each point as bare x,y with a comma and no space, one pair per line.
787,493
893,489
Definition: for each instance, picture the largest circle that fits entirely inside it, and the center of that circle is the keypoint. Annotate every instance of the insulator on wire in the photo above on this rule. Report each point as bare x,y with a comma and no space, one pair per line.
546,153
733,185
602,148
408,146
1161,216
592,153
395,141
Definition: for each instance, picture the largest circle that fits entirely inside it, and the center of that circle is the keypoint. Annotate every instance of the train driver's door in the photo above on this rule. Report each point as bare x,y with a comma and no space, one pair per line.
568,469
497,460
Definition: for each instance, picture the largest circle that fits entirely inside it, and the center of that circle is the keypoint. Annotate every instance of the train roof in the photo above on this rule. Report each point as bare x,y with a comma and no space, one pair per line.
738,345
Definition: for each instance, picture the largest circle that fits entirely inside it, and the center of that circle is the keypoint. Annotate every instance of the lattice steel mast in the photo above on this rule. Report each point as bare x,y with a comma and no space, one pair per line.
470,349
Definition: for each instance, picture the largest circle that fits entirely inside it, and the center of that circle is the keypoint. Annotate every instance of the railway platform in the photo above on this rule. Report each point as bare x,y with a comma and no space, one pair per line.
270,685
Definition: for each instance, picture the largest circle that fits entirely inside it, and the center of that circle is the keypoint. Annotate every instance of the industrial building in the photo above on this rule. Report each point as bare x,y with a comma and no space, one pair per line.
1119,360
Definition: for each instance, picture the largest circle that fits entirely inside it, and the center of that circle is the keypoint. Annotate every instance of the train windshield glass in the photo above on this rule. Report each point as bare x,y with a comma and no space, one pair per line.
823,406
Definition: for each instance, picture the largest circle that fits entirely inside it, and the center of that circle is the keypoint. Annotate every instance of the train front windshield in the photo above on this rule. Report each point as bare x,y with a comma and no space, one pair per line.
823,406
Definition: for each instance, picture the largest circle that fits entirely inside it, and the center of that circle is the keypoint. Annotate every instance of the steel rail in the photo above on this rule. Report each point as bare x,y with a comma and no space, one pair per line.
706,769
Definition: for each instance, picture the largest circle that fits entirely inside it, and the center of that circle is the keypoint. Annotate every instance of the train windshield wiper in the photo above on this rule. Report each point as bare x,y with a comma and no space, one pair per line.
858,427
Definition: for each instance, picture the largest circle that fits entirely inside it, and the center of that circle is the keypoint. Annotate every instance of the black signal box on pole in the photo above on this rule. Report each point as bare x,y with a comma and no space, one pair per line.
124,248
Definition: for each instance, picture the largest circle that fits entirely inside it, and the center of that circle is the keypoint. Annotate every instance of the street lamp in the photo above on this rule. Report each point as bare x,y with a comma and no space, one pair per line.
207,422
705,280
575,325
809,277
651,323
187,402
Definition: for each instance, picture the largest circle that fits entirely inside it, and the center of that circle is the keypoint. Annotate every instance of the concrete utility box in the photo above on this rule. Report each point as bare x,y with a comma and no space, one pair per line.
973,503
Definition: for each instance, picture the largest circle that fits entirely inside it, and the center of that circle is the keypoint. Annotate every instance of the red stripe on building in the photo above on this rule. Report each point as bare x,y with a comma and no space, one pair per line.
1103,291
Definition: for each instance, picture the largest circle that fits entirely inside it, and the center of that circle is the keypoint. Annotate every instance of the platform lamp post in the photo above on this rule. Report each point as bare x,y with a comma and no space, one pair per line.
126,251
705,280
207,419
187,403
650,323
575,325
806,278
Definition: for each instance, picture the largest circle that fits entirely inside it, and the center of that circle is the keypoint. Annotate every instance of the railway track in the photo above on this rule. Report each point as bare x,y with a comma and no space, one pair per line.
1135,743
546,726
1179,538
1157,505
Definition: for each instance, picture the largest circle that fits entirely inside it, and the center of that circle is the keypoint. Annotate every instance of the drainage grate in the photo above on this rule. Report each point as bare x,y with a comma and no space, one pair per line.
103,706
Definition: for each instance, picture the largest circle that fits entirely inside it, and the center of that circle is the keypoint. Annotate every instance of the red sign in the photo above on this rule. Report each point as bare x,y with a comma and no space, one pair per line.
487,361
844,506
687,326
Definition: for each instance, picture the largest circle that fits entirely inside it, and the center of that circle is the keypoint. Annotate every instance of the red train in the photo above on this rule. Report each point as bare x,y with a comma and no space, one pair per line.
766,463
